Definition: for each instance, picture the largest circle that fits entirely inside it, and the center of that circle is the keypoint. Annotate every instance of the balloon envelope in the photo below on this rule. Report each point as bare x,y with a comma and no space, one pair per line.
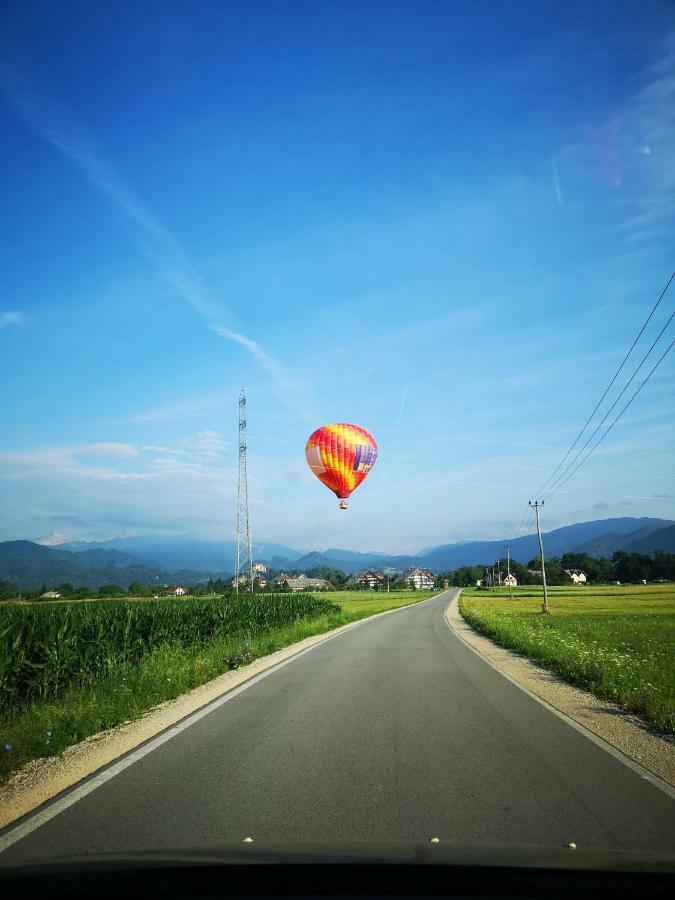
341,456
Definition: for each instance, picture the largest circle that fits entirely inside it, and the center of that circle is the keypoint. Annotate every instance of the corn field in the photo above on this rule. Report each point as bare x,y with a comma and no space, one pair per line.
44,649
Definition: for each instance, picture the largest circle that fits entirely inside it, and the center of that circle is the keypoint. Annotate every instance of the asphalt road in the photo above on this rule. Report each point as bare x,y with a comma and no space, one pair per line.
394,729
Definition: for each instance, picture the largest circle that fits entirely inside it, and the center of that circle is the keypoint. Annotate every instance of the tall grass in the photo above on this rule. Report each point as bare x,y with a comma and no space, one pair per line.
46,649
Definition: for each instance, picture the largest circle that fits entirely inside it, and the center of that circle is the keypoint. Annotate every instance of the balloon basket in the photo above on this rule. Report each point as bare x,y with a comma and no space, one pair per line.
343,504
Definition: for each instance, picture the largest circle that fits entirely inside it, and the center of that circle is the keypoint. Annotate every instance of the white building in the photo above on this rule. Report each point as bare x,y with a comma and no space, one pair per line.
259,568
177,591
50,595
576,575
510,580
418,578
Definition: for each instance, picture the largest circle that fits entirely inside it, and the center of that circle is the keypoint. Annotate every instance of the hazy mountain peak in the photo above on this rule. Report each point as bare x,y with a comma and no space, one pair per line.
54,539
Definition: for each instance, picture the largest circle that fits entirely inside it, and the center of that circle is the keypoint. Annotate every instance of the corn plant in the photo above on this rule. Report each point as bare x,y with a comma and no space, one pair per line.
44,649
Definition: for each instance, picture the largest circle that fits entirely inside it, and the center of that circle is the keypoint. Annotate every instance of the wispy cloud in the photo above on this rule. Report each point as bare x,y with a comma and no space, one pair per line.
174,486
107,448
10,317
155,240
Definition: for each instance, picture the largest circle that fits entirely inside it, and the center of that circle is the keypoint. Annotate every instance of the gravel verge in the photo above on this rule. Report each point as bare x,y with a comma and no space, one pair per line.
618,728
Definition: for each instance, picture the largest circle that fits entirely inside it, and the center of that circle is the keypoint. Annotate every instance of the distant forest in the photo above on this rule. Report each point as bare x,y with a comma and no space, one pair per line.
623,567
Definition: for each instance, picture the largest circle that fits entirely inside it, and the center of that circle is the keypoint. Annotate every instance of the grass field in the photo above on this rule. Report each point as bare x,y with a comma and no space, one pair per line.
616,641
106,695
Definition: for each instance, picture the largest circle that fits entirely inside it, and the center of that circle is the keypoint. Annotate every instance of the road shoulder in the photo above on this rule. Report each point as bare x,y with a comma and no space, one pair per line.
613,725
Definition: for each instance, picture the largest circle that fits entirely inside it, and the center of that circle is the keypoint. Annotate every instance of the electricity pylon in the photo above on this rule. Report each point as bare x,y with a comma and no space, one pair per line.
244,553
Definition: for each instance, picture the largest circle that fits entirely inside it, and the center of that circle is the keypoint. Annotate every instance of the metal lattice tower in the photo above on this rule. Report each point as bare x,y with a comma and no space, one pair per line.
244,554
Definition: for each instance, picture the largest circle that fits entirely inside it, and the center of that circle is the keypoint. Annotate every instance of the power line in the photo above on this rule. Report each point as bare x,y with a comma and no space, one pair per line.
609,386
603,436
561,478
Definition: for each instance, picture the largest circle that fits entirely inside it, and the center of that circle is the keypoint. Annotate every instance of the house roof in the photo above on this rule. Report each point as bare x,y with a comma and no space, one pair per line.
417,570
368,574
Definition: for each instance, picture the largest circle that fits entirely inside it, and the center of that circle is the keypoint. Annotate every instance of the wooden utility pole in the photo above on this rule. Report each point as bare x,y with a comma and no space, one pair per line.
508,569
536,506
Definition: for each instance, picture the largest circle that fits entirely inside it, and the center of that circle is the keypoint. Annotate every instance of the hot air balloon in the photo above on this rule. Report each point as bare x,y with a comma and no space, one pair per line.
341,456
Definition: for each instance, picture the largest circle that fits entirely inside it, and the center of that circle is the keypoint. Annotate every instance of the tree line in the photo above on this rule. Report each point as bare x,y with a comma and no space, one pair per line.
623,567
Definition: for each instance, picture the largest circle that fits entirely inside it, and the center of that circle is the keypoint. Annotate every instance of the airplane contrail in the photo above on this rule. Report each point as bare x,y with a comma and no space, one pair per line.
156,241
556,183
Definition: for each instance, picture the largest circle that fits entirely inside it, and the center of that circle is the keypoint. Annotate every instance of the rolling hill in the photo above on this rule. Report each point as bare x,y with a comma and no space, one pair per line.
663,539
29,565
162,561
607,544
557,542
174,553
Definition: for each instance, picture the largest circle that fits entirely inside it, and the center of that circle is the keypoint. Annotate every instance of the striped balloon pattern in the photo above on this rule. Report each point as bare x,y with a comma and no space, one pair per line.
341,456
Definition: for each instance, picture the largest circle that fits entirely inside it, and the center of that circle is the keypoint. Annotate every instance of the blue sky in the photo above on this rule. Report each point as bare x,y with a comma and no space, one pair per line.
443,222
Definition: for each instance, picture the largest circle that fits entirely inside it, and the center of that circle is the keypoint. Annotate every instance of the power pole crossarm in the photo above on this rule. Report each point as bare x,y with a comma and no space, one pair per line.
537,506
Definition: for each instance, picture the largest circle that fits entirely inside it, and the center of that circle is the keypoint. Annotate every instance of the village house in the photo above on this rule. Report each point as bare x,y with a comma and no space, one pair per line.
302,582
50,595
418,577
576,576
367,579
281,578
177,591
259,568
506,581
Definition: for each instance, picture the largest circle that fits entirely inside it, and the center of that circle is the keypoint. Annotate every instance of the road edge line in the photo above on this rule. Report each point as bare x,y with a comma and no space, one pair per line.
657,782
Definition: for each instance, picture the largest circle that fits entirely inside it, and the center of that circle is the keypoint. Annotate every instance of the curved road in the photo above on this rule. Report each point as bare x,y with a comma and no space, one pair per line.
394,729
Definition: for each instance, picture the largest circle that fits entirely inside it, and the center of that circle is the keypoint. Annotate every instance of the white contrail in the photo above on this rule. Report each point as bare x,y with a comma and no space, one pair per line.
398,425
157,243
556,183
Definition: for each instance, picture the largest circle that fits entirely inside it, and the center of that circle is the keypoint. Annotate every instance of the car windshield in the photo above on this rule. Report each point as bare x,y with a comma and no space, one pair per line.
336,465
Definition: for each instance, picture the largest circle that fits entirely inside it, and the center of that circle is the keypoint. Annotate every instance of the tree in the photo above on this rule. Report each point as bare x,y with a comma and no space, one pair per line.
7,590
663,565
336,576
466,576
137,589
631,566
110,590
600,570
554,571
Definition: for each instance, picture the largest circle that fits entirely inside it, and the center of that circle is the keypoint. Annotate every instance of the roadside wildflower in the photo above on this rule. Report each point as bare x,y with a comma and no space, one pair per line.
8,746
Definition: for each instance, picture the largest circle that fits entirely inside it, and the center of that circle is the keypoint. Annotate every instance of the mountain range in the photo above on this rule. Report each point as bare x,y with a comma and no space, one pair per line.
28,565
157,560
